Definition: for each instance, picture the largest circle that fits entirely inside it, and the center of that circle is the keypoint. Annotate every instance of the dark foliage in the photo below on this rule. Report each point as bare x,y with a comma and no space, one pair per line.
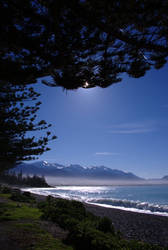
105,225
5,189
17,195
77,43
18,115
87,231
63,212
19,179
22,197
81,43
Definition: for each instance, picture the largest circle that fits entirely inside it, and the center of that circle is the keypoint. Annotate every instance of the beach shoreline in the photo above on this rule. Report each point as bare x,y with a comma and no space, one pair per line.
135,226
149,228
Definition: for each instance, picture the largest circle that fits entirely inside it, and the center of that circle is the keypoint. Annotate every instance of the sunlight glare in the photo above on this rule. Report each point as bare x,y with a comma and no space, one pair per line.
86,84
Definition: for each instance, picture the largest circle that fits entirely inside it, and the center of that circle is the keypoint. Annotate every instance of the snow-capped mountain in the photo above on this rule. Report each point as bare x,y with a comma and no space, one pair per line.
165,178
74,170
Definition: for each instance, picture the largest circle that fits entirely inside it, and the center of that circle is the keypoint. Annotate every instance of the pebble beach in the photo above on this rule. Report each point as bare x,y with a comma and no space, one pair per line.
144,227
132,225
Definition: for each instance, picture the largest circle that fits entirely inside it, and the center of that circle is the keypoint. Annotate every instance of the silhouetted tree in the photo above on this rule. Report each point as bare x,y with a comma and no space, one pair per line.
81,43
78,43
18,118
19,179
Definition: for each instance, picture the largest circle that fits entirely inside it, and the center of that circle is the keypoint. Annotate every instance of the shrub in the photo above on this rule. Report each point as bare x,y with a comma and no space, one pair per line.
5,190
105,225
60,210
87,231
22,197
86,236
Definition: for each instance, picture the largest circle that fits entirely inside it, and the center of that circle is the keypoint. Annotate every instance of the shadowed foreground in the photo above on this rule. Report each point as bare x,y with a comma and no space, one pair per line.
146,227
35,222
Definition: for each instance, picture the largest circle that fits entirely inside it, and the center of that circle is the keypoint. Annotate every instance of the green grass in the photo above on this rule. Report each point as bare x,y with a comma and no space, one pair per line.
47,242
31,236
14,211
7,196
25,212
28,235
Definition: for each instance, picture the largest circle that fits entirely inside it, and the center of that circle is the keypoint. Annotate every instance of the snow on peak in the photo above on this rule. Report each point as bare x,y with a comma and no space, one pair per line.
45,162
60,167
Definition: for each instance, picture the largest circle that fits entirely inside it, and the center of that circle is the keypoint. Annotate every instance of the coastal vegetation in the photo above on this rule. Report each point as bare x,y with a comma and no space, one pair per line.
12,178
24,221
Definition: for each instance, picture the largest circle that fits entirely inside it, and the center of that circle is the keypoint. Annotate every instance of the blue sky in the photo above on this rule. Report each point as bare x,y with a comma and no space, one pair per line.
124,126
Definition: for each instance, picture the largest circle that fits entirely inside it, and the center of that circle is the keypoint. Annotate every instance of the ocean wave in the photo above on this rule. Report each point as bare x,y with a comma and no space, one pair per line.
54,193
130,204
124,204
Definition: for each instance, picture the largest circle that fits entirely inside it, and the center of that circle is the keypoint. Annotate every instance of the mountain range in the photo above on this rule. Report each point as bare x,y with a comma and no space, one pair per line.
74,170
165,178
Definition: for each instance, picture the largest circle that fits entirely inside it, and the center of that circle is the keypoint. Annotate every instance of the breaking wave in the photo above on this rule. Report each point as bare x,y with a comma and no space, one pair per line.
100,196
130,205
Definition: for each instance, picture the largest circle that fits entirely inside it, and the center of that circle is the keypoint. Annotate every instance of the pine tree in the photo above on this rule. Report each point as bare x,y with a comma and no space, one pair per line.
16,123
78,43
81,43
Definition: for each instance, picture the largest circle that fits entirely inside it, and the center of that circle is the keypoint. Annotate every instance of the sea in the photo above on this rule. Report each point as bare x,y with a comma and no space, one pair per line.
151,199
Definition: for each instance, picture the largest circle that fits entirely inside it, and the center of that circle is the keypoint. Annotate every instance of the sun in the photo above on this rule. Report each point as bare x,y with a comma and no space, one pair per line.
86,85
